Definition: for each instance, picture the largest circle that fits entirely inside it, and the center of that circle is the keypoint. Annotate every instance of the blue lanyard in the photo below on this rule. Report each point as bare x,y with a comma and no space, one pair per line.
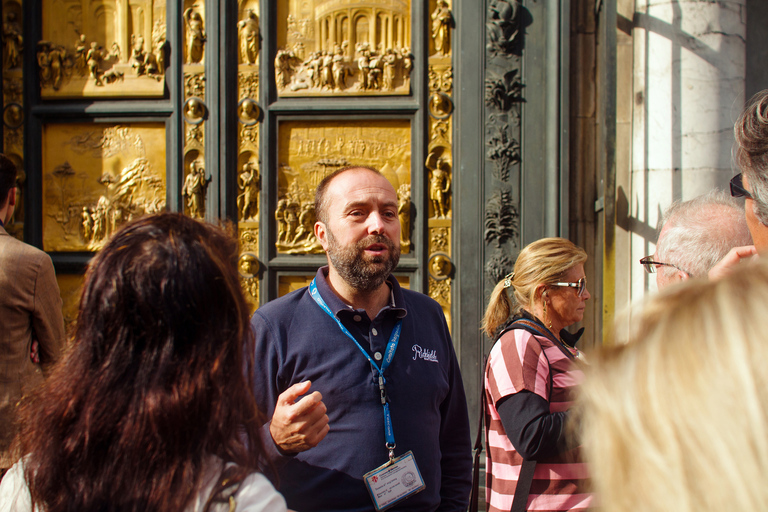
389,354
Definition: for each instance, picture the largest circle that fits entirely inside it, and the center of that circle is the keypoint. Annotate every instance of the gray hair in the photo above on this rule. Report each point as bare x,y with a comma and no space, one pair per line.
699,233
751,132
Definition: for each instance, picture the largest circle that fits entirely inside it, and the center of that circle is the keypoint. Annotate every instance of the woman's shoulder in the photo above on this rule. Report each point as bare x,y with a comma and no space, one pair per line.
254,494
14,493
257,493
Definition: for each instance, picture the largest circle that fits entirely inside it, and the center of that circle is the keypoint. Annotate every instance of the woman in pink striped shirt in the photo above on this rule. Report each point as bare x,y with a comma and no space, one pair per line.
530,378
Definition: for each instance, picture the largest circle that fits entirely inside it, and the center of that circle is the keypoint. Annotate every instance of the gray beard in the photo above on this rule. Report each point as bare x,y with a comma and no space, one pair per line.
352,266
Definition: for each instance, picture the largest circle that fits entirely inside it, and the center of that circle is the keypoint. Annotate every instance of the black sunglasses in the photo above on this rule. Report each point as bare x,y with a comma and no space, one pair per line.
737,188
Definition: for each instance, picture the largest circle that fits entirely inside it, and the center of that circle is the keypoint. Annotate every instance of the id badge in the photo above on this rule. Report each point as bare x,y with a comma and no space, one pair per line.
394,481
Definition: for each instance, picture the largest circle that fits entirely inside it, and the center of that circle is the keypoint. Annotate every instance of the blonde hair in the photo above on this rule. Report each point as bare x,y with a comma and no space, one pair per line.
541,262
677,419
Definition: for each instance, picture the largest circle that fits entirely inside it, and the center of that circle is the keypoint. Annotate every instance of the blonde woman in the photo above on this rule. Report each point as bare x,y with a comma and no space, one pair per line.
677,419
529,381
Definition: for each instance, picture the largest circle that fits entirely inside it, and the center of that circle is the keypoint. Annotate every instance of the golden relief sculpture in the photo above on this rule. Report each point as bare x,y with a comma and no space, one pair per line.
442,22
343,48
97,178
248,263
108,57
195,36
249,186
308,151
250,38
13,42
438,164
195,186
404,215
248,164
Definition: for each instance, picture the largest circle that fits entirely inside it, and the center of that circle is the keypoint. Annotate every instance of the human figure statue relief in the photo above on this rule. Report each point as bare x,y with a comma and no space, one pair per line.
195,187
249,37
439,186
442,20
249,181
12,41
195,36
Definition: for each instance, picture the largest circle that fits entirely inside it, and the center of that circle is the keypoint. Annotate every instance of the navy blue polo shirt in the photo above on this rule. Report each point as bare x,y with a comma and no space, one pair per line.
297,341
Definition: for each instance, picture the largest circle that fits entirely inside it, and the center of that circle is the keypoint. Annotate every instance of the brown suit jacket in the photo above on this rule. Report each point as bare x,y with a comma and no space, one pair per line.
30,309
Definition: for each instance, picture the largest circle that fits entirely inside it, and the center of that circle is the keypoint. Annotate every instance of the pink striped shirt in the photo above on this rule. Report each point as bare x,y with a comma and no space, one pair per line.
518,362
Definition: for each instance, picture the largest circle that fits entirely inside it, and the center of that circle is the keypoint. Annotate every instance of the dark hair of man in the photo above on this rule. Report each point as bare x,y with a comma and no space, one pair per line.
7,178
158,377
321,208
751,132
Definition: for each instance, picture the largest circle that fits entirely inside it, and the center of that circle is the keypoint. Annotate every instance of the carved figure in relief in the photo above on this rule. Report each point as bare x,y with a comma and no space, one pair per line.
306,224
404,215
249,37
250,185
283,61
56,56
503,24
195,187
114,52
292,212
195,36
93,59
326,73
159,44
12,41
282,226
374,72
363,64
339,69
389,61
439,186
407,57
442,20
86,224
81,52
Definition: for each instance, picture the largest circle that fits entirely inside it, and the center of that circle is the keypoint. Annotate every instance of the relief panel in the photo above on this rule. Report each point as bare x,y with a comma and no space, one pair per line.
343,47
310,150
194,190
249,115
439,162
102,48
97,177
13,109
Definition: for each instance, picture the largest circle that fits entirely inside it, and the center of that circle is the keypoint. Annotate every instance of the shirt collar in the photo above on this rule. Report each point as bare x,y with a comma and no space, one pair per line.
335,304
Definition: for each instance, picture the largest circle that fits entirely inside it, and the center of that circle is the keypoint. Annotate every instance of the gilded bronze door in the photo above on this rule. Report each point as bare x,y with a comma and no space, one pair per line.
229,110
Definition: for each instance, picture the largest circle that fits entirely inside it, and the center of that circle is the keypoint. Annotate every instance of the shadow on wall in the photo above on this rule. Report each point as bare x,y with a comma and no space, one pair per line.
631,224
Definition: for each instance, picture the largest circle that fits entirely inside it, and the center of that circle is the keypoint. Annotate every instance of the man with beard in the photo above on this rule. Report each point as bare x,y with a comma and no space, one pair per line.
358,375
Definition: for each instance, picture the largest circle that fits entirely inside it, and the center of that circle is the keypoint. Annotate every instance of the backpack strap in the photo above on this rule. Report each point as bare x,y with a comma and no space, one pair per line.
524,481
223,493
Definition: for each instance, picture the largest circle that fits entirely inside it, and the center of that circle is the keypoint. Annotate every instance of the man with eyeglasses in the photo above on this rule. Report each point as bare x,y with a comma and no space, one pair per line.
695,236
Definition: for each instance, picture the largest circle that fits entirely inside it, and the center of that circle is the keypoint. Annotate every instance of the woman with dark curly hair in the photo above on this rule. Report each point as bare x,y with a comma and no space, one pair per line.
152,407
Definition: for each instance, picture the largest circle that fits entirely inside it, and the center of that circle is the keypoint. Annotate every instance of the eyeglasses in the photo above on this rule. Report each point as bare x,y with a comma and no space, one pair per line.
580,285
737,187
650,266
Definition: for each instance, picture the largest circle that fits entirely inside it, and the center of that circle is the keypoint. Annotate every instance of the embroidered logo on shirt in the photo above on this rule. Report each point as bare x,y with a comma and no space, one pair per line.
425,354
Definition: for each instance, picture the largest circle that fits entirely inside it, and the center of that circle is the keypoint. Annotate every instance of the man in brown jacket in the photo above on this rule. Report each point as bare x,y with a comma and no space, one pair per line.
30,311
